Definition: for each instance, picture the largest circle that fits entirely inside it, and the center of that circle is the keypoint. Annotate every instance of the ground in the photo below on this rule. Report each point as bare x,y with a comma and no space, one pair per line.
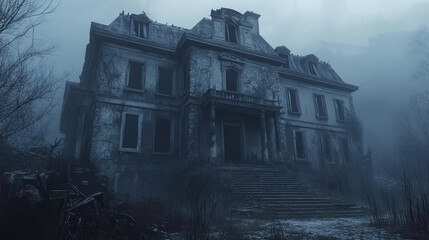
307,229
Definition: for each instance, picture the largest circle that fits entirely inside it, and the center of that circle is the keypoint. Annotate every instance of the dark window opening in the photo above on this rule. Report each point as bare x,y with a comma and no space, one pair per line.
299,145
231,33
140,29
293,101
165,81
320,106
286,58
340,110
312,69
185,78
232,143
231,80
135,75
345,148
327,148
130,131
162,135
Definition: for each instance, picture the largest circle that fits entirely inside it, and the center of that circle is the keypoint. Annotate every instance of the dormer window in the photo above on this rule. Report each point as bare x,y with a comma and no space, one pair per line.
286,60
231,33
140,29
312,69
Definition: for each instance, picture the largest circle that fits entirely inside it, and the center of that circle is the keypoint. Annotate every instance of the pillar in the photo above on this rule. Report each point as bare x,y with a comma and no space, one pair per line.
264,137
212,133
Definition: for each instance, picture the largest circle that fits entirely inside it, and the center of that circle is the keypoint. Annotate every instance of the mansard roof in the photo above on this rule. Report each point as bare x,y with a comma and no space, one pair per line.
173,40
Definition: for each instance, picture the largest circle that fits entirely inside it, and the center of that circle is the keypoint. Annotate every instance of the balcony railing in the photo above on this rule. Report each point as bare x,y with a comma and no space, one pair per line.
235,97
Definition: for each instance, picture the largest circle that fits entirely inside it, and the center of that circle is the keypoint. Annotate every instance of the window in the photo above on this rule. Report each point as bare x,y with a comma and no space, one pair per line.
140,29
163,136
326,144
319,101
231,33
293,101
312,68
185,72
345,149
299,145
286,58
339,107
231,80
165,81
130,136
135,76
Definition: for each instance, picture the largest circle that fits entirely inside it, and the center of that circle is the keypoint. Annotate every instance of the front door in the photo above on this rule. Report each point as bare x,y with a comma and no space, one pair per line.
232,142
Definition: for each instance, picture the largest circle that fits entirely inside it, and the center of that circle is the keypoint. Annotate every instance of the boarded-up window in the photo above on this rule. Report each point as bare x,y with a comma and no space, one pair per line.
165,81
320,106
162,135
345,149
340,110
231,33
130,132
135,76
299,145
293,101
231,80
140,29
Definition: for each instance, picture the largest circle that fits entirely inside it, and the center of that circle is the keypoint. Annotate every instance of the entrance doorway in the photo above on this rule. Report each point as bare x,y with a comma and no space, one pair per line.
232,142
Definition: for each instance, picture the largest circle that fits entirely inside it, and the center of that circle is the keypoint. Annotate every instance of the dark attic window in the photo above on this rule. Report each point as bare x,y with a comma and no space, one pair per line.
312,68
130,133
231,80
140,29
135,76
231,33
286,59
162,135
299,145
165,81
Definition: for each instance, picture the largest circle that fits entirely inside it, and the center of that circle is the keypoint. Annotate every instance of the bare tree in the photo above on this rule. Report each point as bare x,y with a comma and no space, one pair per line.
27,84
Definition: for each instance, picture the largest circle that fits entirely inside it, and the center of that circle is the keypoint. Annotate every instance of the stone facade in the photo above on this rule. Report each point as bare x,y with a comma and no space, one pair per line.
153,96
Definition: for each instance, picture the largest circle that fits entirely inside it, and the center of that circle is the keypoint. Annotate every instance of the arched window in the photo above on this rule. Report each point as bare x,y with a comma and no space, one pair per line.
232,80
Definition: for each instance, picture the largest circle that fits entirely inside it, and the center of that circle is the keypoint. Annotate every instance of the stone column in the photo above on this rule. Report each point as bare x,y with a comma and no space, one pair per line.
278,136
264,137
212,133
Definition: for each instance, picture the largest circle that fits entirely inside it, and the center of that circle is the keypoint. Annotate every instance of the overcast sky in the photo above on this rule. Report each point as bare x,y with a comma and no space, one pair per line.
297,24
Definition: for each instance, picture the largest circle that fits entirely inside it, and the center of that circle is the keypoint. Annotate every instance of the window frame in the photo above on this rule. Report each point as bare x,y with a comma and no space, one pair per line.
227,33
143,77
327,148
346,160
172,129
303,145
313,66
336,101
316,106
139,133
138,34
238,80
173,82
289,101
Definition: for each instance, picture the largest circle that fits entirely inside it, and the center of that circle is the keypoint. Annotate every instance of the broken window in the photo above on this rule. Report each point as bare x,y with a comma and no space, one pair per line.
340,110
231,80
130,131
165,81
300,145
345,149
231,33
162,135
135,76
140,29
312,68
293,101
326,143
319,101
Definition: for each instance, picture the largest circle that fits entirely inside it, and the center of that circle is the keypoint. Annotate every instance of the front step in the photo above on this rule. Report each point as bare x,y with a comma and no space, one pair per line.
277,193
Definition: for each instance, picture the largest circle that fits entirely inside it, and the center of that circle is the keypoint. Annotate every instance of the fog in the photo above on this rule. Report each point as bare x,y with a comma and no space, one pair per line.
369,44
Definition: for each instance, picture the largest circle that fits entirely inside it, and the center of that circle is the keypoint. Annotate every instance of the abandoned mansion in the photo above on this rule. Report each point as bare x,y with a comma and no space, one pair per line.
153,96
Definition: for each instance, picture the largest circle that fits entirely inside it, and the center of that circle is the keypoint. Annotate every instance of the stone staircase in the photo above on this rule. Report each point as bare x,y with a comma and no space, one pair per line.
268,192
